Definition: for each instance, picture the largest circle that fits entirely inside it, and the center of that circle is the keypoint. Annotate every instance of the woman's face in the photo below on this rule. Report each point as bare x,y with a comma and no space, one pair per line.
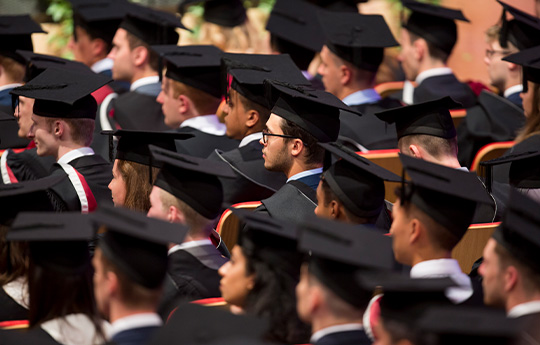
528,99
235,281
117,186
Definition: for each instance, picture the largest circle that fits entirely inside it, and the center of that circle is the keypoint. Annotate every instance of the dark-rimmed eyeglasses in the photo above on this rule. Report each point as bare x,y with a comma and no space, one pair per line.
266,134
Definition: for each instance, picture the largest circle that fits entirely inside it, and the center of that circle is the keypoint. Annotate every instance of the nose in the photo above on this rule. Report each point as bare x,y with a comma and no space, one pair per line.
481,269
31,133
223,269
159,98
112,53
487,60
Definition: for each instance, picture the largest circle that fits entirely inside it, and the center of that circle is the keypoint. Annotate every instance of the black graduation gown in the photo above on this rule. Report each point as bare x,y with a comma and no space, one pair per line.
27,165
11,310
192,274
32,336
203,144
295,202
252,181
515,98
8,132
444,85
477,298
493,119
135,336
368,130
356,337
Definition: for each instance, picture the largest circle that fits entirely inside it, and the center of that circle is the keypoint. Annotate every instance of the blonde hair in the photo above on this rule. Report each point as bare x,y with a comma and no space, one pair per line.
136,177
194,220
14,70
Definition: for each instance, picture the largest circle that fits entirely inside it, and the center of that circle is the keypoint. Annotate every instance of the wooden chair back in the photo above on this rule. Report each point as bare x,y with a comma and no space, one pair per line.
490,151
457,116
471,246
386,89
389,160
227,226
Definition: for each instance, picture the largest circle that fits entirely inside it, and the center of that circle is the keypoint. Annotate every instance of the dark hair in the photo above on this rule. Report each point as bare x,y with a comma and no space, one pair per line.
153,57
434,52
13,258
531,278
435,146
264,112
104,31
301,56
136,176
532,123
314,152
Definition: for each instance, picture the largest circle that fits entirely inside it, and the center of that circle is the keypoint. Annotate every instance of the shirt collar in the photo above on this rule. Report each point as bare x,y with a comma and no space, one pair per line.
526,308
190,244
305,173
9,86
362,97
434,72
335,329
408,92
135,321
102,65
144,81
249,138
513,89
208,124
77,153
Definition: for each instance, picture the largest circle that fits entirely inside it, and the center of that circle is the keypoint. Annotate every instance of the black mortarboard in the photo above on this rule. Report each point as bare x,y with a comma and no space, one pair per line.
228,13
273,241
529,60
16,33
340,250
356,181
519,231
153,27
9,128
524,169
133,144
447,195
248,72
37,63
466,325
58,241
137,244
26,196
357,38
523,31
316,111
186,323
193,180
429,118
196,66
296,21
339,5
434,23
63,93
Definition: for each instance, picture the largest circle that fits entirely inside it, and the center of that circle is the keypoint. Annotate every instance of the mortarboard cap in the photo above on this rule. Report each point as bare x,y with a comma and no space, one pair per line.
524,169
9,128
315,111
137,244
16,32
193,180
229,13
58,241
248,72
519,231
63,93
196,66
356,181
523,31
357,38
434,23
529,60
428,118
339,5
37,63
338,251
153,27
296,22
447,195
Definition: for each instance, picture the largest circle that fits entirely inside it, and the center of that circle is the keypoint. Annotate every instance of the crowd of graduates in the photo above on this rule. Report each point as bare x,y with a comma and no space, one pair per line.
115,168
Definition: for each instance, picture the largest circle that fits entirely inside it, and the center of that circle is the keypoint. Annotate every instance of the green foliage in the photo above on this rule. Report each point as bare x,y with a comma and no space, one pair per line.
61,13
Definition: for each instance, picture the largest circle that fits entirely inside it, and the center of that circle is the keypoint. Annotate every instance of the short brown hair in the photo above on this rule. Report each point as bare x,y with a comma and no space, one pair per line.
194,220
203,102
435,146
82,130
530,276
14,70
264,112
136,176
153,57
434,52
314,152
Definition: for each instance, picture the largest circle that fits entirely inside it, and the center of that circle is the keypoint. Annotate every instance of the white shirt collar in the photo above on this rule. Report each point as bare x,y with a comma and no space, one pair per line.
362,97
135,321
434,72
9,86
102,65
524,309
305,173
208,124
249,138
18,291
513,89
445,268
190,244
335,329
408,92
77,153
144,81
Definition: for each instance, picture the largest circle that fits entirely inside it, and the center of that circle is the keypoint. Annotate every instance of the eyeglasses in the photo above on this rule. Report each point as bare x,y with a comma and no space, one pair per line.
490,53
265,136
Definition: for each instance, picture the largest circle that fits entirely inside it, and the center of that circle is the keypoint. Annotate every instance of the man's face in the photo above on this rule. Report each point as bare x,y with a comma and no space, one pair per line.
493,276
275,150
235,116
303,296
156,205
330,71
408,56
121,53
82,46
23,114
322,210
399,231
170,105
101,284
43,135
497,68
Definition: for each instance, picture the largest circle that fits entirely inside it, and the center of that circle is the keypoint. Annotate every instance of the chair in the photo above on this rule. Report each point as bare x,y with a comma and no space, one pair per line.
471,246
490,151
457,116
227,226
388,88
14,324
389,160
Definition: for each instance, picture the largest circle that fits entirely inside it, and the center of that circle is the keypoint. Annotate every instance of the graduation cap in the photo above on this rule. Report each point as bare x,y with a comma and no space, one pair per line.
338,251
63,93
273,241
428,118
519,231
193,180
57,241
198,66
229,13
16,33
447,325
37,63
137,244
529,60
356,181
339,5
185,323
9,128
357,38
434,23
523,31
447,195
296,22
153,27
524,169
315,111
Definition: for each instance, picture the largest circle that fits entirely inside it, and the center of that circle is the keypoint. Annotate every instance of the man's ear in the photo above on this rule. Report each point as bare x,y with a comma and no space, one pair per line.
113,287
252,118
184,104
415,151
346,74
59,128
297,147
174,215
417,230
511,278
139,55
98,47
420,49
